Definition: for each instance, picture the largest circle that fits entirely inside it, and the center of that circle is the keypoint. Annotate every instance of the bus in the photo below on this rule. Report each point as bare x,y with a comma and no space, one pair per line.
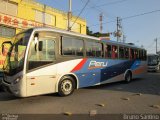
153,61
46,60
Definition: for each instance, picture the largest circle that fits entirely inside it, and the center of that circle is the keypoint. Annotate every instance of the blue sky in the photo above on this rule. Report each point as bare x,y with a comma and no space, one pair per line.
141,30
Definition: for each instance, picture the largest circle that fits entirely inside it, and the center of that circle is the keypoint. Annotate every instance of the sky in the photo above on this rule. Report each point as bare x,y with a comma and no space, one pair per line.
142,30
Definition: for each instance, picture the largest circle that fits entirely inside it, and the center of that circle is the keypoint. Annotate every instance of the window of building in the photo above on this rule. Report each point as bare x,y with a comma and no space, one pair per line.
108,51
39,16
45,18
93,49
72,46
50,19
8,7
114,52
7,31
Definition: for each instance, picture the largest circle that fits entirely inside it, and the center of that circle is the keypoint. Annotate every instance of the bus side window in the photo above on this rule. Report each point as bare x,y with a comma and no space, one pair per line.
114,52
99,49
108,51
140,54
72,46
142,58
121,52
131,54
135,54
93,49
144,55
45,56
126,53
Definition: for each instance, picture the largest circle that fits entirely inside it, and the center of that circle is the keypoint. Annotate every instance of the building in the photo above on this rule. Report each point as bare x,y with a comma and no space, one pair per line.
16,15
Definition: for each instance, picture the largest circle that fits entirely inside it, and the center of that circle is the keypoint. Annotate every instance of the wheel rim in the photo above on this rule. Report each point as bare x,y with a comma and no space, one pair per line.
66,87
128,77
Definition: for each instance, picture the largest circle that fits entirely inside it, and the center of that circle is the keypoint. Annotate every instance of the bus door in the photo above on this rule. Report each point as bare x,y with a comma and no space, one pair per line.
41,71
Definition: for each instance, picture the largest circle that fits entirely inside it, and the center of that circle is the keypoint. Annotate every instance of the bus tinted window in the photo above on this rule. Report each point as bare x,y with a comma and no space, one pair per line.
126,53
140,54
114,52
136,54
131,54
144,54
93,49
121,52
108,51
72,46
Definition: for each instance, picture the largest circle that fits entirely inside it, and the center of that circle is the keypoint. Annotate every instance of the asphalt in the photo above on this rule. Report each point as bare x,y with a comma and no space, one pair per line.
139,96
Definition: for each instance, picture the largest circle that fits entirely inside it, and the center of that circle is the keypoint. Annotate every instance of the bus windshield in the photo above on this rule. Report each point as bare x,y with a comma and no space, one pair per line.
153,60
15,58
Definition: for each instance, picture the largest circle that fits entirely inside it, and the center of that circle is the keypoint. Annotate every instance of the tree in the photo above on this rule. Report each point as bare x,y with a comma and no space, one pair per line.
97,34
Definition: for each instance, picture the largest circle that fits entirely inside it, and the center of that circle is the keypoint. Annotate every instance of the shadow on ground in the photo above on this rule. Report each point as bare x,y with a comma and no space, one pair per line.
150,84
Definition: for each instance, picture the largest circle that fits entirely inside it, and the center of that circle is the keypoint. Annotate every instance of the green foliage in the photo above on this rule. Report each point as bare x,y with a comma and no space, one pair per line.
97,34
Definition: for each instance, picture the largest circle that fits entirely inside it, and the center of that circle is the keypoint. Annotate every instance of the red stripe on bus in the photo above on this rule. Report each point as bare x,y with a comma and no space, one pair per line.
80,65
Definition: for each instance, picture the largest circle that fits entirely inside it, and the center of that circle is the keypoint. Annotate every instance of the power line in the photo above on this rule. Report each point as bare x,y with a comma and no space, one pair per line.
100,10
141,14
133,16
110,3
149,46
80,13
106,4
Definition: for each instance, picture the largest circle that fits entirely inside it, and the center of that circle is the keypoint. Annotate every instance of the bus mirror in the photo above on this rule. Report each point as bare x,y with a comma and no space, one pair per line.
36,42
6,43
40,45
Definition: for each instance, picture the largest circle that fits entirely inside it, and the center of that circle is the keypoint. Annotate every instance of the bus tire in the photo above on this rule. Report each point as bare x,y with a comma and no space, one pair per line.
128,77
66,86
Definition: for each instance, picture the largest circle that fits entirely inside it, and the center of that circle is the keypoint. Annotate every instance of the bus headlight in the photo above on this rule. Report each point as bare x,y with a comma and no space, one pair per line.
17,80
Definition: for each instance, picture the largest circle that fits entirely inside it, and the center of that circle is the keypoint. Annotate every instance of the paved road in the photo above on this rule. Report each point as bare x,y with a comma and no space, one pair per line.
116,97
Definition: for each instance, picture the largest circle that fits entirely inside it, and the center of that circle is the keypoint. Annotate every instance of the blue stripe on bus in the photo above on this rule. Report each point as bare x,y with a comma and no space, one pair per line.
89,77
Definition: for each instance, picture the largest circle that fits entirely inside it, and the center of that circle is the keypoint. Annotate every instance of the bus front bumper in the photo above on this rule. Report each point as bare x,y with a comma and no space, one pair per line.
153,68
11,88
1,79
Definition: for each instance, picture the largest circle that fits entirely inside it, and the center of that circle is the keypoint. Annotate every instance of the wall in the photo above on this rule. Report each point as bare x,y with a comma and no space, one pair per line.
27,14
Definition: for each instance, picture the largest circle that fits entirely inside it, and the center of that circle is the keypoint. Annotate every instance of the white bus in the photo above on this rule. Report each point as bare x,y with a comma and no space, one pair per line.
45,60
153,61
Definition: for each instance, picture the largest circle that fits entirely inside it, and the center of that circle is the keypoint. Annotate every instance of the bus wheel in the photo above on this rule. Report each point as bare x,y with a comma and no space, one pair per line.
66,86
128,77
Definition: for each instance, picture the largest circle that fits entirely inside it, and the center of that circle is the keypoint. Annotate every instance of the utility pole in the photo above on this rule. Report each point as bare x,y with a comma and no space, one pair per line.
156,45
69,14
117,34
117,28
44,15
124,38
100,20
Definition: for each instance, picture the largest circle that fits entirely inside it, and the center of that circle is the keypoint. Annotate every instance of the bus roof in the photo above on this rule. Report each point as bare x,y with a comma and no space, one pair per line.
121,43
64,32
83,36
152,54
